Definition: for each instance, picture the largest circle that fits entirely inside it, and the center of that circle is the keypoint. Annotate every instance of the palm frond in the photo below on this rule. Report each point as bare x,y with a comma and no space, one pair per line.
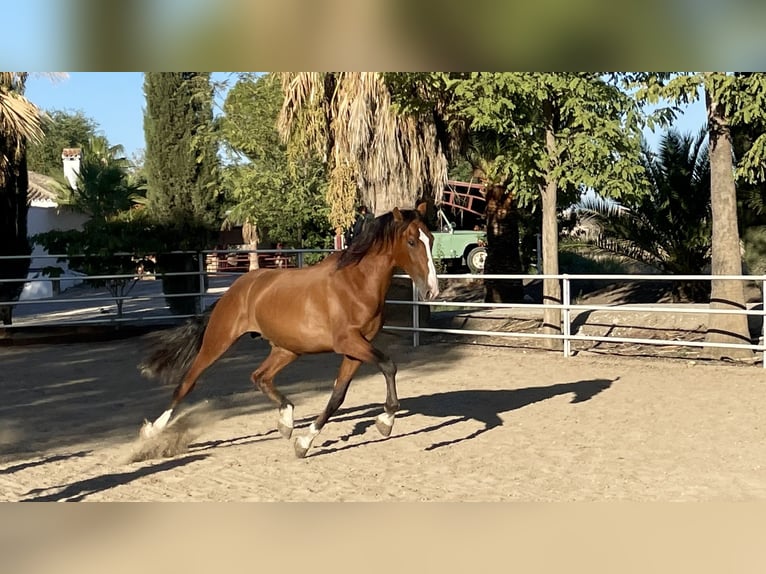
20,119
670,226
375,155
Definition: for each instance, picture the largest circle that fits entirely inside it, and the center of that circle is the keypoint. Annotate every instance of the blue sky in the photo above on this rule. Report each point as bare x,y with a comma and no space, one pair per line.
115,100
53,22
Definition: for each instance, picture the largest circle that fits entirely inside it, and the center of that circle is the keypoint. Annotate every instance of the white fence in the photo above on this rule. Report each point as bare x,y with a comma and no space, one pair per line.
568,308
142,300
146,302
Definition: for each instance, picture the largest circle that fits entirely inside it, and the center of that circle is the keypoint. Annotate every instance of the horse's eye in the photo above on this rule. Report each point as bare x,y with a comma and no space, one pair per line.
411,242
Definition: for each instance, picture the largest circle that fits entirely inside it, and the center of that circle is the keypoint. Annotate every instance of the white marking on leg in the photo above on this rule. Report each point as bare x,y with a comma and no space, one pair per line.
162,420
148,430
433,282
306,440
286,416
386,418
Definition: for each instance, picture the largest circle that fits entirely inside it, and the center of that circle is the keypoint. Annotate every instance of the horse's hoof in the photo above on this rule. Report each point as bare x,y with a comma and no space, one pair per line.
383,427
300,450
284,430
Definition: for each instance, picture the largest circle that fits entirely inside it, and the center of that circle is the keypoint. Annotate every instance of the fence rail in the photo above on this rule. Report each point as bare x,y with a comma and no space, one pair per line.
567,307
145,301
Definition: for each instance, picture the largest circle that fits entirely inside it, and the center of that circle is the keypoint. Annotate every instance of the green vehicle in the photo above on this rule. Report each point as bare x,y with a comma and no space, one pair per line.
457,249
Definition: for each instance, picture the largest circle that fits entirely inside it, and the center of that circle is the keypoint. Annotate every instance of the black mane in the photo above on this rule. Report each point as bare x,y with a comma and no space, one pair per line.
379,233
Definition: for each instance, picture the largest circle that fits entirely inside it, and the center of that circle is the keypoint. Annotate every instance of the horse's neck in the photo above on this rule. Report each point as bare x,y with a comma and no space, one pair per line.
377,269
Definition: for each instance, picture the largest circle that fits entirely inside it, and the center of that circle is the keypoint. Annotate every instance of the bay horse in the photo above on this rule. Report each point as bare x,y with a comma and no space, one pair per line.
333,306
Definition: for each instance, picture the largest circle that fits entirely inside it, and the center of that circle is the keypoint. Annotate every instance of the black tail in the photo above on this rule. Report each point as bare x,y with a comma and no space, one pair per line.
176,350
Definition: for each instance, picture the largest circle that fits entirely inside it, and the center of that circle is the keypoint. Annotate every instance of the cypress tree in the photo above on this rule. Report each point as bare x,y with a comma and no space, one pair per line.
181,160
181,169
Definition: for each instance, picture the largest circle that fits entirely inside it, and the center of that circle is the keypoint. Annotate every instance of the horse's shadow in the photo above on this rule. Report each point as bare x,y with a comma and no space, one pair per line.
81,489
454,407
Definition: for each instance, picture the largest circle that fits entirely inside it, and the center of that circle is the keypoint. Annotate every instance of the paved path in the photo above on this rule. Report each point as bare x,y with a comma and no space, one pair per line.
83,303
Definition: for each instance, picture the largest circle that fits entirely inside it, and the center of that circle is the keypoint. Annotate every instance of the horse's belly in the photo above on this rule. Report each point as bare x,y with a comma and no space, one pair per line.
305,316
298,325
298,339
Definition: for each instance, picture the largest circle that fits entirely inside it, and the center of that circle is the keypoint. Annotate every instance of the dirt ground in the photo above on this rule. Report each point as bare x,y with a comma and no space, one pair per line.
478,423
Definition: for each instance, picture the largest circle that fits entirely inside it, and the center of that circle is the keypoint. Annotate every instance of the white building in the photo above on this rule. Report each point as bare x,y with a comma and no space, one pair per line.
45,214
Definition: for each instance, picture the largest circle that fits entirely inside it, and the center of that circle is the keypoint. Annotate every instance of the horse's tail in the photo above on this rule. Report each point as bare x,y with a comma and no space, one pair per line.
176,350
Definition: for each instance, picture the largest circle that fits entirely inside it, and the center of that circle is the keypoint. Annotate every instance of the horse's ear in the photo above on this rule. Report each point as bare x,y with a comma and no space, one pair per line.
422,209
397,214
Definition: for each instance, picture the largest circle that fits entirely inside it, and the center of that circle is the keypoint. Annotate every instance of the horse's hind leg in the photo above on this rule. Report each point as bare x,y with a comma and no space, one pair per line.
217,340
263,378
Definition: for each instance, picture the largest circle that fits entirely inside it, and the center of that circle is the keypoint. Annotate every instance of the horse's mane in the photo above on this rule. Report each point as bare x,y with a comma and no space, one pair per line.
380,232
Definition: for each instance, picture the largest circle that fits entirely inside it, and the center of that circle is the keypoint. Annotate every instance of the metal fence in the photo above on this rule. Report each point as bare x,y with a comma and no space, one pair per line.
217,269
569,307
142,300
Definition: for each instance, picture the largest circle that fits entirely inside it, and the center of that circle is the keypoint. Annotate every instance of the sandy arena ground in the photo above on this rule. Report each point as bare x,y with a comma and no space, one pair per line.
478,423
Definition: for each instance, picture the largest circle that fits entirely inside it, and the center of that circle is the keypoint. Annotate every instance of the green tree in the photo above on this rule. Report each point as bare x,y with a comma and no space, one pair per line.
102,188
181,148
751,199
19,125
669,227
182,173
270,195
567,132
730,100
62,130
285,200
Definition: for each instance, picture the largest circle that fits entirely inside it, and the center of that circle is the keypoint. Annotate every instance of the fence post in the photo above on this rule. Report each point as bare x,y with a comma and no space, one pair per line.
300,259
763,321
566,316
201,261
539,252
415,317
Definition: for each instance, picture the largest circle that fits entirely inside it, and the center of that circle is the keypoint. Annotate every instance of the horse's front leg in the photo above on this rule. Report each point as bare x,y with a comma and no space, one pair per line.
348,368
385,420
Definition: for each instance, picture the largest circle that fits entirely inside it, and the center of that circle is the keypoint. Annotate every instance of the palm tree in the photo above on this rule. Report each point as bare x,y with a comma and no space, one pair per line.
669,228
19,124
375,156
490,154
102,187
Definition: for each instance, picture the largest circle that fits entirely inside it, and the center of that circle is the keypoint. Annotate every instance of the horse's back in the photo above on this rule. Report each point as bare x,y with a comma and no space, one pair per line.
289,307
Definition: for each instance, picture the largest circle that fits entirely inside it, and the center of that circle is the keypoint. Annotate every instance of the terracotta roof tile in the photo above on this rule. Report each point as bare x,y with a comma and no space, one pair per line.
71,152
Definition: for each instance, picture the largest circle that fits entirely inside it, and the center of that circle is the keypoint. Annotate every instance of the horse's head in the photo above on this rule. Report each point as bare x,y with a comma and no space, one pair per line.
412,252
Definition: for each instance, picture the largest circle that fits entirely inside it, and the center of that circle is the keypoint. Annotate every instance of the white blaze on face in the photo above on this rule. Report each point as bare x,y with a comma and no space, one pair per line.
433,283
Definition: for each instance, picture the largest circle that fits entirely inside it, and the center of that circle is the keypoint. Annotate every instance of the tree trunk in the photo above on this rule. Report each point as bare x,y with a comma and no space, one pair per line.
549,192
503,255
250,237
726,258
188,284
13,225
